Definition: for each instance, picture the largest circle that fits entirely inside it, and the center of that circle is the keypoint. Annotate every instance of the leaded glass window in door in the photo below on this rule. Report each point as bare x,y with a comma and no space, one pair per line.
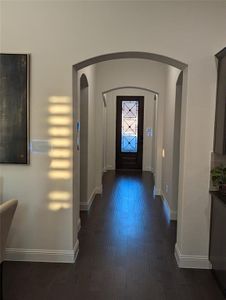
129,126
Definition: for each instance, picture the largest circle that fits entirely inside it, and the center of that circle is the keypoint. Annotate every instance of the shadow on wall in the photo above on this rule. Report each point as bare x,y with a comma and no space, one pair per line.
59,122
1,189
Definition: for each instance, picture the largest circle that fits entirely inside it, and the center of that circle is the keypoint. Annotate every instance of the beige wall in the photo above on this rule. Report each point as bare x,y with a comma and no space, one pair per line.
168,140
59,34
90,73
122,73
83,141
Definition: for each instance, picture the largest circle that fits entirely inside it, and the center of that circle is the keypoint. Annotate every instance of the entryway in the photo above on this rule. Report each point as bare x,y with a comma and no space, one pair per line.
129,132
108,105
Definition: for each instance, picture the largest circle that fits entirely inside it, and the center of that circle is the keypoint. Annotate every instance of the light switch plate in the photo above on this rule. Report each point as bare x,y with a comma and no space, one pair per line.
149,131
39,146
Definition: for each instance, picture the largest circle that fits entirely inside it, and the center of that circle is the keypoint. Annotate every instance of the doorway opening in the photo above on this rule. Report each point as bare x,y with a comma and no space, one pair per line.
83,137
176,143
128,142
129,132
148,135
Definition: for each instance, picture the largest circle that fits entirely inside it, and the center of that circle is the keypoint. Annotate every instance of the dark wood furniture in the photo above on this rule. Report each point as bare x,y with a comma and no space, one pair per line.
217,253
220,118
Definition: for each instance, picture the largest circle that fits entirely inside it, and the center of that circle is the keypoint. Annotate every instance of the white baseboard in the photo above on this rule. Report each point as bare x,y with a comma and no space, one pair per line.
191,261
42,255
85,206
78,225
166,206
110,168
147,169
99,189
157,192
172,214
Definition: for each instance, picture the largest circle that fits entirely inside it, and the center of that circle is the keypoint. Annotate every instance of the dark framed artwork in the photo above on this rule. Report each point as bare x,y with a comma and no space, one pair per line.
14,108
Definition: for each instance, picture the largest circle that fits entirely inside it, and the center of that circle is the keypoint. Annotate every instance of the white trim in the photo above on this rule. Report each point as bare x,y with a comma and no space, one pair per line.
110,168
191,261
172,214
147,169
85,206
166,205
99,189
76,250
157,192
78,225
42,255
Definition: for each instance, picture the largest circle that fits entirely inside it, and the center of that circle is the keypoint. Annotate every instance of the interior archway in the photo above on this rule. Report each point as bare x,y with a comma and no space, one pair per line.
83,136
131,54
83,82
148,151
126,55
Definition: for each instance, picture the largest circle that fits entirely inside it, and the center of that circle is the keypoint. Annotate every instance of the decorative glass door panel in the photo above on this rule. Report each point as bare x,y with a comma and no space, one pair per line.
129,130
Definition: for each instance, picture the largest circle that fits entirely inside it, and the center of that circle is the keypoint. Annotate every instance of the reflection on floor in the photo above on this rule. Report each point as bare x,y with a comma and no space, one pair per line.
126,252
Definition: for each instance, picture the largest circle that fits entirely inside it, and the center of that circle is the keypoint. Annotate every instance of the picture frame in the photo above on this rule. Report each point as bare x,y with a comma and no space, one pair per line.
14,108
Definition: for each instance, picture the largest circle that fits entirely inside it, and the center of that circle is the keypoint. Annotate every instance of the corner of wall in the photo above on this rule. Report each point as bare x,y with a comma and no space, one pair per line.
43,255
85,206
172,214
191,261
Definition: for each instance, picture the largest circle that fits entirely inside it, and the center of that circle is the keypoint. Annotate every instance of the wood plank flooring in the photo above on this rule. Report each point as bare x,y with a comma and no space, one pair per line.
126,253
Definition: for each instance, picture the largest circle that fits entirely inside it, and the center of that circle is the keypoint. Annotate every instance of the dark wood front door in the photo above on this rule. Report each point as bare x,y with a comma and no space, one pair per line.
129,132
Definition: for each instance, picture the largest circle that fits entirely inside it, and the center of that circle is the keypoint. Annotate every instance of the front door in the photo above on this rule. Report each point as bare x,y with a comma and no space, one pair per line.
129,132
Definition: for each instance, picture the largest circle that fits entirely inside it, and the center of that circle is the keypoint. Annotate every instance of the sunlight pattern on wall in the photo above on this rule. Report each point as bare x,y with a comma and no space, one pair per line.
60,132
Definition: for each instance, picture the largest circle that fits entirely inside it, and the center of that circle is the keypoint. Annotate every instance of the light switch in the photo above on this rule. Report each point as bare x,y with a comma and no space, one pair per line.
149,131
40,146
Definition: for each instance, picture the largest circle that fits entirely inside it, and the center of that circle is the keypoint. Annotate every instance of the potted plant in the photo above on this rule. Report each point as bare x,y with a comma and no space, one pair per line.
218,176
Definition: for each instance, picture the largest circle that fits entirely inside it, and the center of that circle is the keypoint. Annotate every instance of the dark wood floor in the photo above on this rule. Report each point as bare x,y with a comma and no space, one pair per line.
126,252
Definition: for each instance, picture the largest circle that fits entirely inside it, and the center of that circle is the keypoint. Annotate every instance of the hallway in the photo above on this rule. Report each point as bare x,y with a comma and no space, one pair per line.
126,252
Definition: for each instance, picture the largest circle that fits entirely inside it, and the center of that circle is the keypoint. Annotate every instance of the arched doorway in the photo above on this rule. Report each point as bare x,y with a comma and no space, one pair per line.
140,55
131,54
149,136
176,141
83,135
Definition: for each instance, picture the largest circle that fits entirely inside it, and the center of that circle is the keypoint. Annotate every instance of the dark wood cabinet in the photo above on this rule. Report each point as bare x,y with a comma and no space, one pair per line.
217,253
220,118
